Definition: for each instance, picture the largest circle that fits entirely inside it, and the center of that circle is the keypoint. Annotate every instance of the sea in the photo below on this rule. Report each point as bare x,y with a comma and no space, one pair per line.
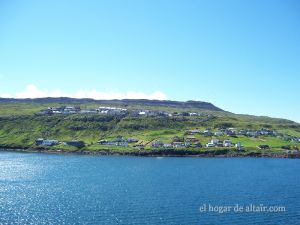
40,188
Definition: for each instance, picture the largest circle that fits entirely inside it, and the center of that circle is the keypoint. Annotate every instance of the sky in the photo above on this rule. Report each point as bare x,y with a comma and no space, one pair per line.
243,56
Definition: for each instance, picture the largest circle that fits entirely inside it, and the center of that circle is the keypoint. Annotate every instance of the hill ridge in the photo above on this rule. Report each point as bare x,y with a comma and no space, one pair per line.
146,102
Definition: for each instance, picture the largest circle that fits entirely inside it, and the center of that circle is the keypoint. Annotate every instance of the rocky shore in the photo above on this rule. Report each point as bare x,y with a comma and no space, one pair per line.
158,153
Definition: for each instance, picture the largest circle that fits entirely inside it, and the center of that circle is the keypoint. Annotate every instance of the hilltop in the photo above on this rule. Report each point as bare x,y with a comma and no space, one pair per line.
123,102
141,126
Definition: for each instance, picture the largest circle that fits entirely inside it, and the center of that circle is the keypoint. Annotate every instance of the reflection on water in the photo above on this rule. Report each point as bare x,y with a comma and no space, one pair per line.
68,189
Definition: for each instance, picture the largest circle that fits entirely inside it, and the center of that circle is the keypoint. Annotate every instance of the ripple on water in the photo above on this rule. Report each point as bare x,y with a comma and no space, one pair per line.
55,189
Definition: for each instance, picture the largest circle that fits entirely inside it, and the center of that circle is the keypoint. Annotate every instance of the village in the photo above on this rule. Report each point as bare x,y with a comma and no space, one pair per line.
113,111
220,138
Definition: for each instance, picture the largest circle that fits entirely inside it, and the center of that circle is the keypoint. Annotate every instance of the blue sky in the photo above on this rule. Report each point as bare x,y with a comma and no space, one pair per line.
243,56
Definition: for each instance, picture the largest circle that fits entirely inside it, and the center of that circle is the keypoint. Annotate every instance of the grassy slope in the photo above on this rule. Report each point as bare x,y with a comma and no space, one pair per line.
19,127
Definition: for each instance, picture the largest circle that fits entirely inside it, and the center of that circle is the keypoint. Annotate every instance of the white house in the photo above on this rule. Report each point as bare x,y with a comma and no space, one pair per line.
239,146
179,144
209,145
227,143
46,142
214,141
192,132
219,133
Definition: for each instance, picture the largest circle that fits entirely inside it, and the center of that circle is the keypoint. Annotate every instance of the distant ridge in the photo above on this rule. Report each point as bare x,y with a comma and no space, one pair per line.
145,102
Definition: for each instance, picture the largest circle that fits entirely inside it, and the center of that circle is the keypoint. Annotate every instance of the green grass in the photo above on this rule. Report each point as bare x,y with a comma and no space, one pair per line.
19,127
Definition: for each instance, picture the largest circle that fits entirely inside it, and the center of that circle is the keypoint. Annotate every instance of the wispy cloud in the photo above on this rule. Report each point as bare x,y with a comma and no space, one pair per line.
32,91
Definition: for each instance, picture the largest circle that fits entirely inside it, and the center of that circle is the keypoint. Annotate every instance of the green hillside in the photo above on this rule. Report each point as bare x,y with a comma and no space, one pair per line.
21,124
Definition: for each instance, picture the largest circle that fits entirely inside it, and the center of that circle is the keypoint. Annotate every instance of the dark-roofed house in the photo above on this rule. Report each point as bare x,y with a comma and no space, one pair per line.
262,147
46,142
75,143
192,132
191,138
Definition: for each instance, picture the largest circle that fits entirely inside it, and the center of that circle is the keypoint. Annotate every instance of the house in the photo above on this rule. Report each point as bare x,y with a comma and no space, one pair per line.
102,111
50,142
214,141
191,138
242,132
45,112
239,146
176,139
219,133
142,113
233,130
122,143
179,144
88,112
46,142
210,145
103,142
132,140
187,144
56,112
285,138
198,145
139,146
264,132
207,132
157,144
150,113
193,132
120,139
75,143
263,147
106,142
252,133
111,110
167,145
163,113
185,114
219,144
39,141
71,110
227,143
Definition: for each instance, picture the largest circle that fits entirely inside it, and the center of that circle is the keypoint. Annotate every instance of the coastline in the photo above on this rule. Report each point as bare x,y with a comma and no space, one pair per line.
155,153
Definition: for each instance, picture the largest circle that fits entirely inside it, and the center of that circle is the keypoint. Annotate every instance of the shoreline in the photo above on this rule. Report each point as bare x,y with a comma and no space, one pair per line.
154,153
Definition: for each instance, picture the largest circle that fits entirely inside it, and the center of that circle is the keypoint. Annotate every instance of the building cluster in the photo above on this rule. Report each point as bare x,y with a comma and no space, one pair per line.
188,141
219,137
118,141
112,111
191,141
232,132
49,142
60,110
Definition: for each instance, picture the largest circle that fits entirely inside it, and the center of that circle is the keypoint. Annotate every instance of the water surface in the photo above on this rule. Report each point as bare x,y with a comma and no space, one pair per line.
76,189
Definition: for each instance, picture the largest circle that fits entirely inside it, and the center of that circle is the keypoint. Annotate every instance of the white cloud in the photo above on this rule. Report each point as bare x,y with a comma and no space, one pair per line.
31,91
6,95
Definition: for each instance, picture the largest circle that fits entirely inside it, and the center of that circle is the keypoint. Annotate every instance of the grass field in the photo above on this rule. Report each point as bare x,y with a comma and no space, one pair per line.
19,127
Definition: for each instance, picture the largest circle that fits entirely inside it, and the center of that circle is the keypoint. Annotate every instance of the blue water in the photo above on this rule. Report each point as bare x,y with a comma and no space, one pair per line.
74,189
